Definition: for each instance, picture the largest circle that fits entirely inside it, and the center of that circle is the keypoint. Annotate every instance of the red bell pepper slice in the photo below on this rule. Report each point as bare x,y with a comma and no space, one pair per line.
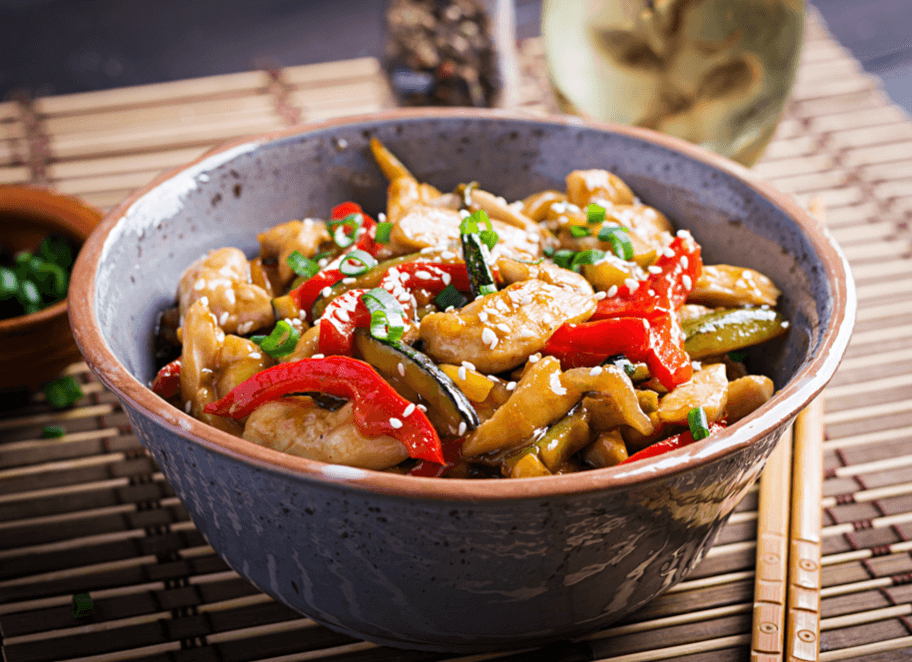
342,316
432,276
167,381
452,455
367,241
670,444
657,341
665,290
377,408
305,294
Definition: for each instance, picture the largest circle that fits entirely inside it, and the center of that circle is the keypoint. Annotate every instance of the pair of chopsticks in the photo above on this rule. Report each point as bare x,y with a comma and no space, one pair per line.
786,623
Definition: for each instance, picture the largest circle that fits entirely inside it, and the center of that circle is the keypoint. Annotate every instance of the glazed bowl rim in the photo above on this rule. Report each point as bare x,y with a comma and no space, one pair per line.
804,385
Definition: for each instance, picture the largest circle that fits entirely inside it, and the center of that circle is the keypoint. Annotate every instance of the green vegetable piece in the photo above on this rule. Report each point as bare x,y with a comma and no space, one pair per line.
52,431
356,263
699,426
477,257
731,329
56,251
450,297
281,342
586,257
563,258
29,293
9,284
569,435
383,233
62,392
387,315
578,231
337,227
257,339
619,240
82,605
302,266
595,214
52,281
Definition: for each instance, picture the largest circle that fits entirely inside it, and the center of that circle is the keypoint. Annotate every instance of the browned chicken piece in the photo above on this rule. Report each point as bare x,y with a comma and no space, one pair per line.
537,205
747,394
606,451
212,364
296,425
427,226
404,193
513,271
279,242
498,209
221,280
539,399
500,331
724,286
707,389
692,311
614,401
585,186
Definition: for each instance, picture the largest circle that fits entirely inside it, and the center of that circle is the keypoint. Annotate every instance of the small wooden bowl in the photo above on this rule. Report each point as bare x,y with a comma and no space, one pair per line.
35,348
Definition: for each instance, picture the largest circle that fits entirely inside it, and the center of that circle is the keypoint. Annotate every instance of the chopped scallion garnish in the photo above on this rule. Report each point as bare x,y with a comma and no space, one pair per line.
62,392
383,233
450,297
578,231
281,342
696,420
257,339
586,257
52,431
356,263
387,315
619,240
595,214
337,228
563,258
474,222
303,266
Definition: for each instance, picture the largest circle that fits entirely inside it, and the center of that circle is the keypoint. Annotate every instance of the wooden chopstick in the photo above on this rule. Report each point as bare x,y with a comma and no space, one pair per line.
786,623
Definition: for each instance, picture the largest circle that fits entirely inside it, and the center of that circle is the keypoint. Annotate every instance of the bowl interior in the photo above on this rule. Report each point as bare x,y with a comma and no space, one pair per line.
227,198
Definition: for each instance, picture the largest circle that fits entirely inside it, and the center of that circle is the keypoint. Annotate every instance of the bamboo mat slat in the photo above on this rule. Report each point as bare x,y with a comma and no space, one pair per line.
90,512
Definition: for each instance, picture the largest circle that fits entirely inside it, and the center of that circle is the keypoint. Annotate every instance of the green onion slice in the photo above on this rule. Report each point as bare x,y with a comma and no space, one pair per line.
52,431
9,283
387,315
563,258
356,263
337,227
696,420
281,342
63,392
257,339
303,266
549,251
595,214
586,257
383,233
471,224
578,231
450,296
620,242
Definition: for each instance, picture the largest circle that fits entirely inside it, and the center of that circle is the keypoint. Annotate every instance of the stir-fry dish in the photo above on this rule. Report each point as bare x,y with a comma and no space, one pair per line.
459,335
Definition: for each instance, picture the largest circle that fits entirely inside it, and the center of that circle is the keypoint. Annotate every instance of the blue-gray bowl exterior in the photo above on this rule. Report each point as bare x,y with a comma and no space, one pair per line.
439,573
453,576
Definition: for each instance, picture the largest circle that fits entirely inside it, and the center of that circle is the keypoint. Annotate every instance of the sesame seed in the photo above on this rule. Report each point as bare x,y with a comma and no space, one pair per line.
448,255
503,327
223,318
326,291
668,252
409,410
683,234
654,269
205,301
206,371
395,423
200,284
401,369
381,217
427,249
488,337
463,375
483,316
613,290
446,278
318,356
534,358
343,315
511,386
632,284
686,281
464,213
598,296
255,355
596,371
651,292
188,406
526,333
462,429
684,261
786,324
468,364
526,300
229,296
348,281
546,318
322,262
423,275
422,408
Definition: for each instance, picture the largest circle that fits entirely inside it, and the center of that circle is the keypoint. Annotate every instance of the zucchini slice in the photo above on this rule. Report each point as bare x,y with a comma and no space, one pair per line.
420,374
476,256
731,329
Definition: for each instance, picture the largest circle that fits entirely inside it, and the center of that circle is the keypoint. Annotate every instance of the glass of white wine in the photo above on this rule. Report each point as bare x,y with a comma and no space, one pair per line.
714,72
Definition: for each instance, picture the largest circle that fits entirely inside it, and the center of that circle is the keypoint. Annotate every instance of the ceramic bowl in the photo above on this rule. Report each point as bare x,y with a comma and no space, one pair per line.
453,565
35,348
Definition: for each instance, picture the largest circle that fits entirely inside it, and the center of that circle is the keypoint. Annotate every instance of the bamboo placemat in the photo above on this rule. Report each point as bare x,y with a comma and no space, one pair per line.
90,513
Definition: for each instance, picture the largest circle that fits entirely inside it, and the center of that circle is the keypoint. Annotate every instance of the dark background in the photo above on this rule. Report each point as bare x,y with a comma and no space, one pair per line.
62,46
